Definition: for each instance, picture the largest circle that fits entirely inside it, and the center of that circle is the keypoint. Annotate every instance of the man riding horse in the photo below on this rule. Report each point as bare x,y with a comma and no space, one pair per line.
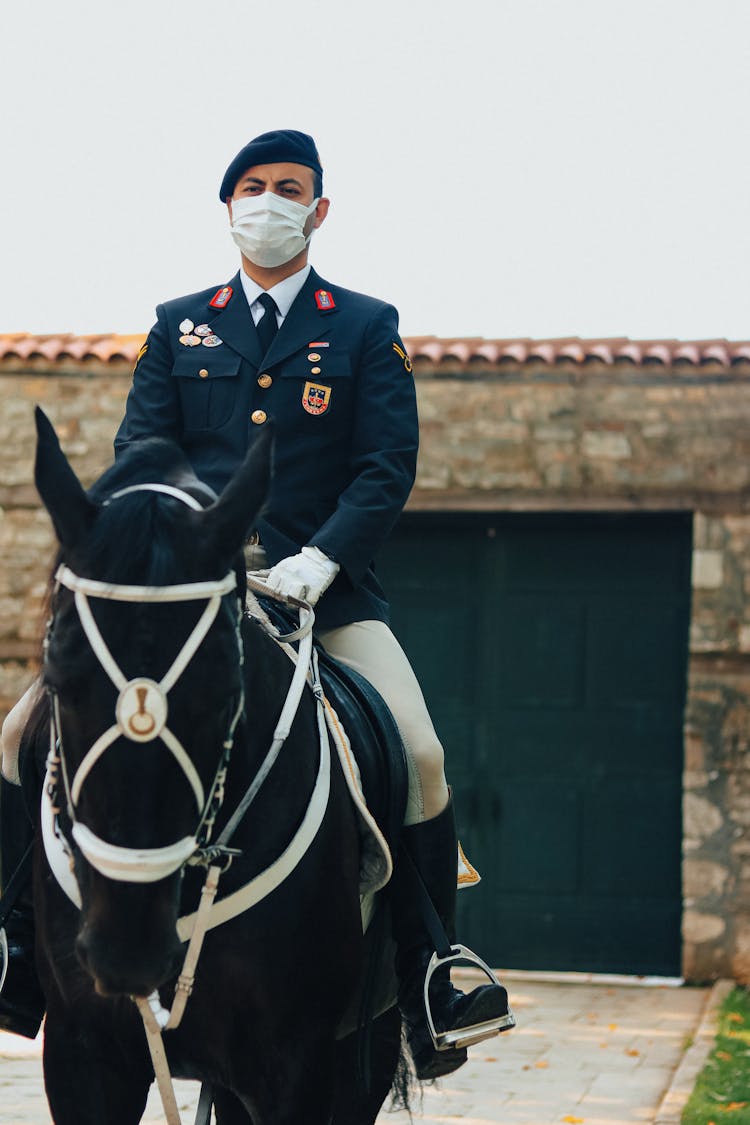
326,365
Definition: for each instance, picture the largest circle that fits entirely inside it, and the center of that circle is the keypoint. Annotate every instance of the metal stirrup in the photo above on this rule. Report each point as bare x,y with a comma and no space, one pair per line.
474,1033
444,954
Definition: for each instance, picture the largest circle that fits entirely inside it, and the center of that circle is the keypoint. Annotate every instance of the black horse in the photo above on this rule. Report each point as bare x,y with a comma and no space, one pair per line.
273,983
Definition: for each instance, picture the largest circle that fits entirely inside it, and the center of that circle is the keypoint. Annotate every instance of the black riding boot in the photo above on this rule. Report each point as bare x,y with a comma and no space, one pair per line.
433,849
21,999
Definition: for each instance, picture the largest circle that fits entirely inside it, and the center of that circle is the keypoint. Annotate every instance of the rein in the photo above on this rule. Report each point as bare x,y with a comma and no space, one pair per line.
141,714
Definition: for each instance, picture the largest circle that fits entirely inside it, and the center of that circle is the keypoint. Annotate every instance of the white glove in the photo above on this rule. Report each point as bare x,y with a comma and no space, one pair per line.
305,576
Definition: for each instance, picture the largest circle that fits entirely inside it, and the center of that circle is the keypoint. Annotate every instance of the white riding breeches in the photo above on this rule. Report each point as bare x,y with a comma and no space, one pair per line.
370,648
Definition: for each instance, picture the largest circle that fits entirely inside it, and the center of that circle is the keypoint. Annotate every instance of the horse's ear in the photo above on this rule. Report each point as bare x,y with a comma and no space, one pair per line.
71,511
227,522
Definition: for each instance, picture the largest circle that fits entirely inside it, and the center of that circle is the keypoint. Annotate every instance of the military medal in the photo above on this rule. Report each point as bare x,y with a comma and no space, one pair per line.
315,398
202,330
318,344
186,327
210,341
313,357
189,341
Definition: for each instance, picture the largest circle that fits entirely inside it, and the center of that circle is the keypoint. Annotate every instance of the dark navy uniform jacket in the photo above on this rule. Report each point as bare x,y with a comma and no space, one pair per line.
346,436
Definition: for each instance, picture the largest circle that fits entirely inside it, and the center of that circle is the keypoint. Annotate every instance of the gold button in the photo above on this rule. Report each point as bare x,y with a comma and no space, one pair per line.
313,357
315,371
259,417
203,373
265,381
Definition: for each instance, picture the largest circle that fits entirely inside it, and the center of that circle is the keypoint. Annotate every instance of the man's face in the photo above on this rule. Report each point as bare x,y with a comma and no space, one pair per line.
290,181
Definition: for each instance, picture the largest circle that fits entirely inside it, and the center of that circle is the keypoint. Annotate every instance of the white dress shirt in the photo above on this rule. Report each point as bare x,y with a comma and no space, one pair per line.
283,293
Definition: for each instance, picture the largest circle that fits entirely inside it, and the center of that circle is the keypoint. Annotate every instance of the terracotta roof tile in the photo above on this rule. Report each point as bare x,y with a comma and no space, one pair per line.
50,351
106,348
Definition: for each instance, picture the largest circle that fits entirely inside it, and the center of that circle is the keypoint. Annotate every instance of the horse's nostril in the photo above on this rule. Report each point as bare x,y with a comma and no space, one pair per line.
118,968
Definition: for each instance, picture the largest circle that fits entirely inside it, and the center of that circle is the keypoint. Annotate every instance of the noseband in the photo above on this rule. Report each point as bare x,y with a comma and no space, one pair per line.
141,714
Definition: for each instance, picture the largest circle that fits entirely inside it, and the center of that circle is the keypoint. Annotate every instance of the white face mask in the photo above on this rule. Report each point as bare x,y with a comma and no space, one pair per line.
269,229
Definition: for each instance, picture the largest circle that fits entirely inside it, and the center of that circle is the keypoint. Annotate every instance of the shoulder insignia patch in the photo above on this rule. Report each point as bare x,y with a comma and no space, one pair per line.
141,353
402,355
324,300
221,297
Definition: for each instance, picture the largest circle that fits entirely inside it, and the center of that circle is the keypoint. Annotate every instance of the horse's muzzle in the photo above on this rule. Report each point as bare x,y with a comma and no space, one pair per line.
125,968
128,941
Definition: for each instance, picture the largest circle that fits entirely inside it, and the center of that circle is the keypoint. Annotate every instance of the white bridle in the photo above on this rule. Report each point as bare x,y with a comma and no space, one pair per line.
141,712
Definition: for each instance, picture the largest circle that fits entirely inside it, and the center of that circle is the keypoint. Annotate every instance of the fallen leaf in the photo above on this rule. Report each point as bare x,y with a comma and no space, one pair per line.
735,1017
733,1105
491,1058
633,1053
525,1067
573,1120
611,1027
724,1055
542,1064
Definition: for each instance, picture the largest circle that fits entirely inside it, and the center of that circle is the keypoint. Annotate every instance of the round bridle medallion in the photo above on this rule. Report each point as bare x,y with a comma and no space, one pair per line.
141,710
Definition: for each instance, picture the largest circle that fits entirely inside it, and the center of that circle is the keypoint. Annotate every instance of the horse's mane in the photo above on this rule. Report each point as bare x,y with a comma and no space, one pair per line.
145,461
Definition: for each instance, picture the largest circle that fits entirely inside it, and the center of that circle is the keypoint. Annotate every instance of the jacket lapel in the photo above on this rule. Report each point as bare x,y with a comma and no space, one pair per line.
234,325
304,323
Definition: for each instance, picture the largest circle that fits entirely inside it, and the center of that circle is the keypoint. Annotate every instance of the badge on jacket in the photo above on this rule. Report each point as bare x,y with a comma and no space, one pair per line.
221,297
141,353
315,398
324,300
402,355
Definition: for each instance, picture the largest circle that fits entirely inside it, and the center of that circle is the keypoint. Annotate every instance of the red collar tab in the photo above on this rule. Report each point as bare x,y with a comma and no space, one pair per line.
324,300
221,297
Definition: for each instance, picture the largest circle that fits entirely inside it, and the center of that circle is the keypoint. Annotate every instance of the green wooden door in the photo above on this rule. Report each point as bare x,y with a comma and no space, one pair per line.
552,651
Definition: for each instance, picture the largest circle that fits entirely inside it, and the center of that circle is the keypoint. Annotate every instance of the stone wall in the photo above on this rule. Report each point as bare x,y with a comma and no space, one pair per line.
86,410
531,437
716,867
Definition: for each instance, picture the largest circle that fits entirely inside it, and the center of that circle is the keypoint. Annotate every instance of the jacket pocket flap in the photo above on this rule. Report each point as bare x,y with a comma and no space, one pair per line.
206,363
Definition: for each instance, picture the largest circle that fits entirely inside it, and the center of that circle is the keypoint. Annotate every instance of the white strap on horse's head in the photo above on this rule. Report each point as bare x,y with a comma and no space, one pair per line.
165,489
141,710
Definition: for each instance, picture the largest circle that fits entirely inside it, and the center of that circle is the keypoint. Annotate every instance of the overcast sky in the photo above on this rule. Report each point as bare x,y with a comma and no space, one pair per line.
496,167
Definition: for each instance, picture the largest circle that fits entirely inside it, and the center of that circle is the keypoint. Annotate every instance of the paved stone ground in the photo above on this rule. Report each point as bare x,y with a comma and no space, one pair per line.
582,1053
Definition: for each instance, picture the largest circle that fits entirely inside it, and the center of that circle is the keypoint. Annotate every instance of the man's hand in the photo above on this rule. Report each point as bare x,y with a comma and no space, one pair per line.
305,576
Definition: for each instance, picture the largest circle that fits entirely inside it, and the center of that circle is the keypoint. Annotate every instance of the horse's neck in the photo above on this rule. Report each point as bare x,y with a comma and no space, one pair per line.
283,797
268,674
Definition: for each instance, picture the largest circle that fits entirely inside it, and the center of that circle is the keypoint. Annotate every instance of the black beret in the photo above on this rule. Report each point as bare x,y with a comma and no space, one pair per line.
278,147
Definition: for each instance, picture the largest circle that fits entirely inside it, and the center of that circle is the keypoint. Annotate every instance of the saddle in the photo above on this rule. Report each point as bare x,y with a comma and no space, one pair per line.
375,740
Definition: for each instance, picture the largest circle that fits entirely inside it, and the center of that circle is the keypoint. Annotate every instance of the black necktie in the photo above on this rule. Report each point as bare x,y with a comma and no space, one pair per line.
267,325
